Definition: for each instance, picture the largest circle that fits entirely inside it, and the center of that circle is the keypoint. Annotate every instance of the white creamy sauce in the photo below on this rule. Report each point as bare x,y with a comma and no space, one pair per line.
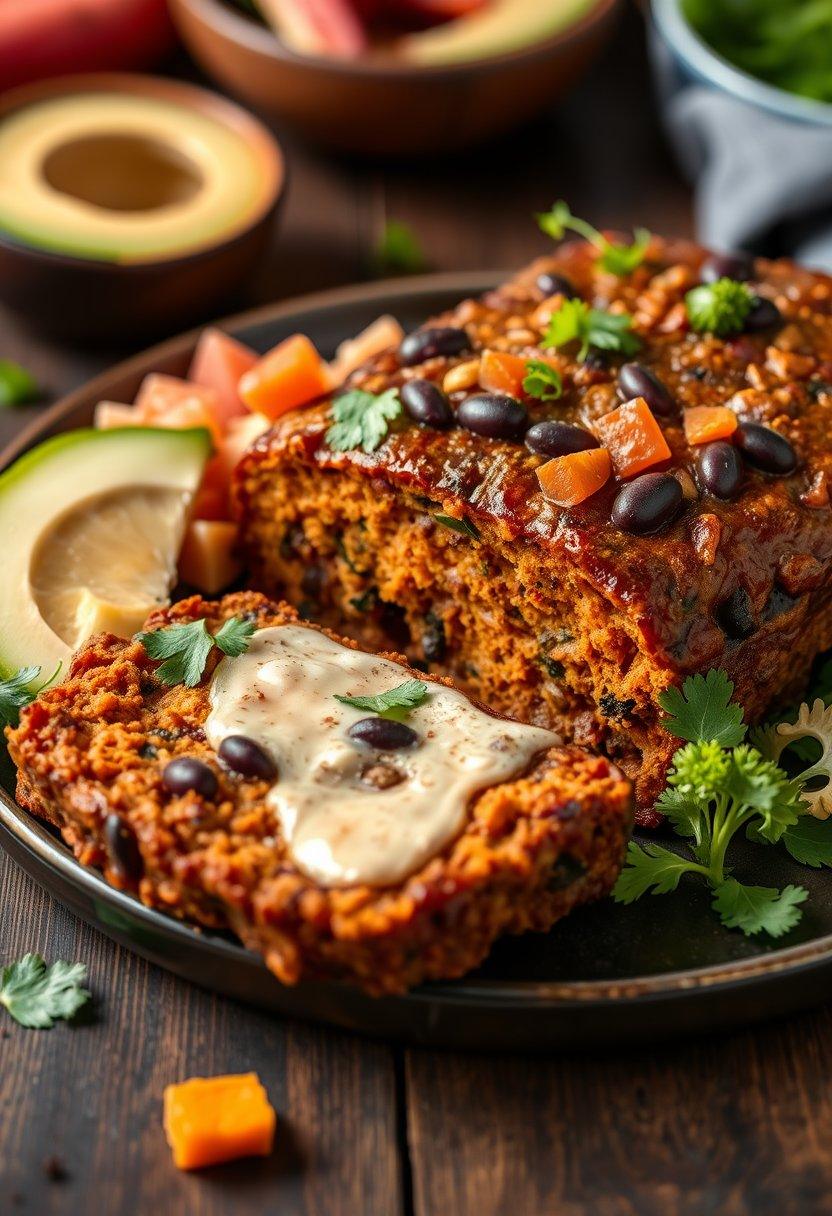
339,827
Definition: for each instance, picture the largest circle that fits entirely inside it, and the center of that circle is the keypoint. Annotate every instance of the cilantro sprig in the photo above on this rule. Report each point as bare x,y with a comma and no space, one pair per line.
20,690
542,381
185,648
719,308
362,419
575,321
618,259
396,702
37,995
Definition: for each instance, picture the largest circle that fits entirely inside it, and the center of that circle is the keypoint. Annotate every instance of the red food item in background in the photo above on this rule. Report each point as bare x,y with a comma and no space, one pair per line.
40,38
431,12
317,27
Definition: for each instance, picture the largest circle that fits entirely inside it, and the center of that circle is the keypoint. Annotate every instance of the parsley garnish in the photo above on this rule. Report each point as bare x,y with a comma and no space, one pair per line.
36,995
458,525
703,710
17,386
542,381
719,308
398,250
17,692
810,841
361,419
616,258
404,696
185,648
575,321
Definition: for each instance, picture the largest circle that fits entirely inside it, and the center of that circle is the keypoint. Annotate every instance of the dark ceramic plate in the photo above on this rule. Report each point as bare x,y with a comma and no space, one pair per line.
607,974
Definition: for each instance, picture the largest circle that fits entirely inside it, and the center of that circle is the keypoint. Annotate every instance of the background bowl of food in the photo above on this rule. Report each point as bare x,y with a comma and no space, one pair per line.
385,78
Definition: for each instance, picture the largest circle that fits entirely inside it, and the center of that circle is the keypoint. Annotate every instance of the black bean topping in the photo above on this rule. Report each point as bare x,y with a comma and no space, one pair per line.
735,617
738,266
494,415
611,707
123,848
428,343
383,734
647,504
558,439
765,449
764,315
186,774
719,469
246,757
555,284
634,380
427,404
597,361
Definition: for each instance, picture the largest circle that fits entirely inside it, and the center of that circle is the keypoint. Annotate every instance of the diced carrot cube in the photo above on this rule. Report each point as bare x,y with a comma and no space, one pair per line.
568,480
212,1119
704,423
384,333
208,560
502,373
632,437
177,404
112,414
219,363
292,374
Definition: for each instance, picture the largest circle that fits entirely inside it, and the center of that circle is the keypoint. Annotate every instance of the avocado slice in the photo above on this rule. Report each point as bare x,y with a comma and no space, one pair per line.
92,523
501,27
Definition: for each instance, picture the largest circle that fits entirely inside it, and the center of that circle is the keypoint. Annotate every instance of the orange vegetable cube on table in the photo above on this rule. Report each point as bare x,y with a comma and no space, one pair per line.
568,480
704,423
292,374
177,404
632,437
212,1119
219,363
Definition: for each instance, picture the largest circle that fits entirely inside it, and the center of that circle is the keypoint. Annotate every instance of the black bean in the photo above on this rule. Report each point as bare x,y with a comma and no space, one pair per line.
765,449
719,469
428,343
246,757
186,774
494,415
558,439
383,734
647,504
735,617
764,315
123,848
427,404
597,361
634,380
555,284
738,266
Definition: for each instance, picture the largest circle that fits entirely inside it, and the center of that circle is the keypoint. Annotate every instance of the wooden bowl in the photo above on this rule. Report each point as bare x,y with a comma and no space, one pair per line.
93,300
379,108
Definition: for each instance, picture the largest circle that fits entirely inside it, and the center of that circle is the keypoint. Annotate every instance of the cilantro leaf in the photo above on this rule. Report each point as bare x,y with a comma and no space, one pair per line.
404,696
616,258
185,648
17,386
17,692
758,909
757,785
719,308
575,321
542,381
650,867
361,419
458,525
398,250
624,259
36,995
810,841
702,711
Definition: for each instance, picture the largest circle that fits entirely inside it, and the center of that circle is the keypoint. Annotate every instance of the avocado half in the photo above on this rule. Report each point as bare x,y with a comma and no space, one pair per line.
503,26
92,523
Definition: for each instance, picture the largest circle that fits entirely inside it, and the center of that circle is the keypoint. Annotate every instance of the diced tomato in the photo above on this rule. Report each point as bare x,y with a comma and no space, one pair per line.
219,363
292,374
112,414
208,560
568,480
632,437
170,402
704,423
381,335
504,373
242,433
211,500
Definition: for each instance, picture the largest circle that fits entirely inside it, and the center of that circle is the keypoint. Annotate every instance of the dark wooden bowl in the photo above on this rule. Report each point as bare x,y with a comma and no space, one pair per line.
81,298
378,108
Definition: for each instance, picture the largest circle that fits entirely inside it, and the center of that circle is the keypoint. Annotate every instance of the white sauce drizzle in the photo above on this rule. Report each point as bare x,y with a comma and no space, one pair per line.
339,829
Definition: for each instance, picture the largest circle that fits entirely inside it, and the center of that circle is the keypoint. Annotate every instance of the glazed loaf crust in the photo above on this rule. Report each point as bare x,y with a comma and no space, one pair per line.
554,615
91,753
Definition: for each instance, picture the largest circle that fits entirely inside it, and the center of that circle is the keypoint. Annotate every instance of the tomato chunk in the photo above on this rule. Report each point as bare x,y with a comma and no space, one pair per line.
568,480
632,437
213,1119
292,374
218,364
704,423
170,402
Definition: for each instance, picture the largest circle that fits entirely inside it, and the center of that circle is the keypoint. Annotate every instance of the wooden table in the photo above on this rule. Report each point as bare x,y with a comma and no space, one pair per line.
742,1125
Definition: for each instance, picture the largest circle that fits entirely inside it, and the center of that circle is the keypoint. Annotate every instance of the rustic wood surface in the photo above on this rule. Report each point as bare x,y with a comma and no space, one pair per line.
734,1127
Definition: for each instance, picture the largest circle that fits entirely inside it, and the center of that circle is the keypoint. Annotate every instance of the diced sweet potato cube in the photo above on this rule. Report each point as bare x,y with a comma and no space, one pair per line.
292,374
502,373
212,1119
354,352
112,414
208,560
704,423
568,480
219,363
177,404
632,437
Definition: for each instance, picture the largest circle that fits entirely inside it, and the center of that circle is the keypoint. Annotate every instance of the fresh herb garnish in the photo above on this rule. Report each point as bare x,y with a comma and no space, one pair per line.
398,250
17,692
616,258
17,386
703,710
458,525
36,995
185,648
404,696
361,419
719,308
542,381
575,321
